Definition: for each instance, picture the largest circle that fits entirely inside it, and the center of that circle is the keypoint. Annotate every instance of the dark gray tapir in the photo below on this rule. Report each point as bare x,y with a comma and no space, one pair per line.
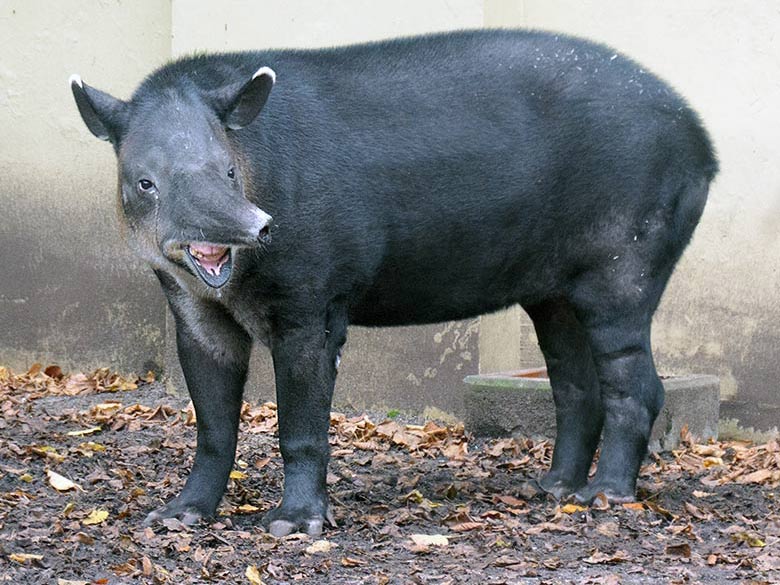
408,181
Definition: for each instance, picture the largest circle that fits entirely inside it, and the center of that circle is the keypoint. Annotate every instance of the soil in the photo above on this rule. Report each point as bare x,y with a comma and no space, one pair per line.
417,504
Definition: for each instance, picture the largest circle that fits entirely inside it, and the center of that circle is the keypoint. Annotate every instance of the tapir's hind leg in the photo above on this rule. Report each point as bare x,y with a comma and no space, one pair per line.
614,299
631,395
578,411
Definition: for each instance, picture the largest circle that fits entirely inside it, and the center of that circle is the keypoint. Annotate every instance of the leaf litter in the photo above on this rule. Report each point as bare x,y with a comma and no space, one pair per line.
83,458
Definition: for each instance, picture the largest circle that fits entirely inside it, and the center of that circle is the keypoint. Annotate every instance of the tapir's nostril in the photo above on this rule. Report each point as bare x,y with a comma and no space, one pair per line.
265,235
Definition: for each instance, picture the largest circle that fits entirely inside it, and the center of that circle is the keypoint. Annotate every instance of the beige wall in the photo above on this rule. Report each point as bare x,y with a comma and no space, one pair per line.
722,309
251,24
69,291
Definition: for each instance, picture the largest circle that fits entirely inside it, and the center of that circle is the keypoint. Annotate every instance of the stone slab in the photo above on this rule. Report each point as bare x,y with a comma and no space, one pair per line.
520,403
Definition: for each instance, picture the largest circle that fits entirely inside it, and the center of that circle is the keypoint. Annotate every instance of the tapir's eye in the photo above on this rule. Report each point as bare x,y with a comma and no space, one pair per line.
231,173
145,185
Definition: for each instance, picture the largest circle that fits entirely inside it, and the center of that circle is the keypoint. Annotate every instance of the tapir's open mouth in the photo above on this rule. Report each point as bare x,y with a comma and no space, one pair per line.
214,264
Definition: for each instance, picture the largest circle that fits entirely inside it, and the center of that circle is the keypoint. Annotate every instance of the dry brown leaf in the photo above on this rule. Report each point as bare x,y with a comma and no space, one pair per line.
467,526
682,549
610,529
550,527
147,568
600,502
599,558
759,476
509,501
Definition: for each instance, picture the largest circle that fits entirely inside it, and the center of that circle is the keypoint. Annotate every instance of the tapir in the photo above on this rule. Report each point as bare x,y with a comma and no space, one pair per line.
282,195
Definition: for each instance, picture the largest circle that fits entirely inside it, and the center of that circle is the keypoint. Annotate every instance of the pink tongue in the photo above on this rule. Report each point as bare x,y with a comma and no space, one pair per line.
212,258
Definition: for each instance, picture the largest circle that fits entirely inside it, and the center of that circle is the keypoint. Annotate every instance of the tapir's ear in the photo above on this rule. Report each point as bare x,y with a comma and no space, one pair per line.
104,115
238,104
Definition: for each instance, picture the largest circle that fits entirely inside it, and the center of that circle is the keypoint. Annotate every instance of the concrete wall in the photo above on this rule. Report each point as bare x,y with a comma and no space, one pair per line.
69,291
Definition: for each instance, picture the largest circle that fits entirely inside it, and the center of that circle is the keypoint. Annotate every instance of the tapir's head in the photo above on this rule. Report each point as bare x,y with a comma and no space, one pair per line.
182,185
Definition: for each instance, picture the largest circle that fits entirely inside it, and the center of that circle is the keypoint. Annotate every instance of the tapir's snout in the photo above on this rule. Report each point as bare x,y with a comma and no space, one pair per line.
206,235
262,226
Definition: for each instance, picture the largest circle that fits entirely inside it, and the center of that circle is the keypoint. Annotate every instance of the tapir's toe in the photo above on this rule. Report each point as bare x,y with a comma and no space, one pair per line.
614,495
281,522
187,514
558,489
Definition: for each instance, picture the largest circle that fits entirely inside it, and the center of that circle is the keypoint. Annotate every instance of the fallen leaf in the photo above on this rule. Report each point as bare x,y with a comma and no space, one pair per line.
509,501
60,482
246,509
712,462
84,432
599,558
53,371
549,527
600,502
682,549
352,562
750,539
759,476
252,573
466,526
70,582
235,474
320,546
24,558
610,529
95,517
572,509
430,539
147,568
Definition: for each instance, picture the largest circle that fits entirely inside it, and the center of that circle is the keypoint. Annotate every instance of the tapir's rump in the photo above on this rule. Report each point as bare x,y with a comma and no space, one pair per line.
282,195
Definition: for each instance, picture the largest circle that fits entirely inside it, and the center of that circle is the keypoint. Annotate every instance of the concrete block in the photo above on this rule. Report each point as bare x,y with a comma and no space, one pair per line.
520,403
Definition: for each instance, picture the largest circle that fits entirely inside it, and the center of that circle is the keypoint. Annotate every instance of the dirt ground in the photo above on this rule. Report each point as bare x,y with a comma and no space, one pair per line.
83,458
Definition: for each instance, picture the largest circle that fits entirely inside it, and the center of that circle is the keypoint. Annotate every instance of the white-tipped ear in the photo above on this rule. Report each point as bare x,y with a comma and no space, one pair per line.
265,71
238,104
75,79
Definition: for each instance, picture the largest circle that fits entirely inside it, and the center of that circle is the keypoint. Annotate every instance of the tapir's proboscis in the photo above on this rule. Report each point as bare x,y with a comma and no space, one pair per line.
280,196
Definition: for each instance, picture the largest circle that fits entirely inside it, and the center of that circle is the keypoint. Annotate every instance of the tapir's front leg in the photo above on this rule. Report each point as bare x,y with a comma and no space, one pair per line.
215,370
305,356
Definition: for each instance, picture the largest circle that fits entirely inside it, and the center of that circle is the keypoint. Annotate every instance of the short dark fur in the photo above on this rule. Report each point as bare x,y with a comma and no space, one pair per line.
415,181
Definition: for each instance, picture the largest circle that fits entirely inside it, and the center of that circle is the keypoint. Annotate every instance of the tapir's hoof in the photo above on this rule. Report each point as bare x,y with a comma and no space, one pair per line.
187,514
557,488
281,522
614,495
